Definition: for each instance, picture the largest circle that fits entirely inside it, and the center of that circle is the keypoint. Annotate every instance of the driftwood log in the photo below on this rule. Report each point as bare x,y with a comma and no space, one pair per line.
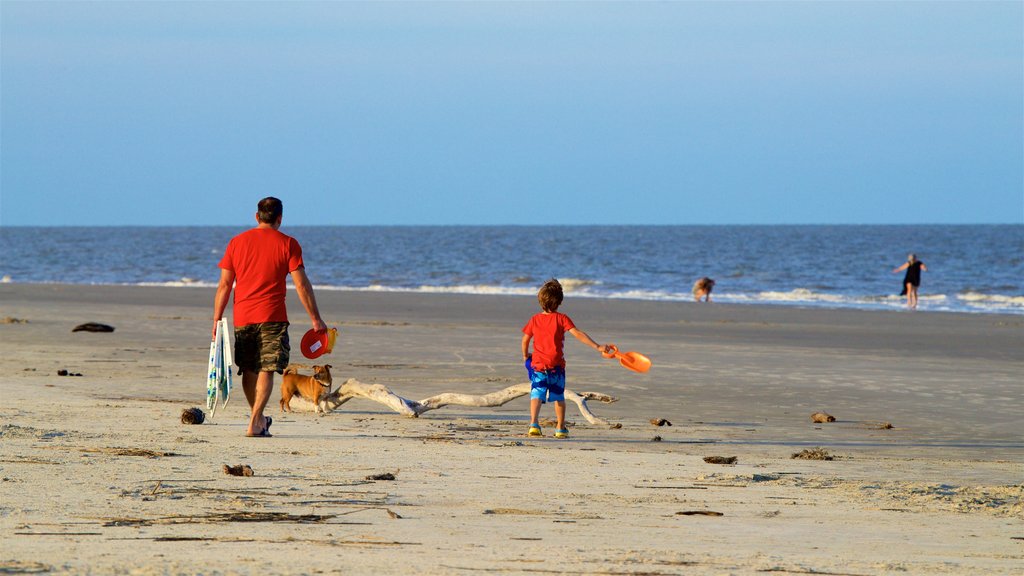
381,394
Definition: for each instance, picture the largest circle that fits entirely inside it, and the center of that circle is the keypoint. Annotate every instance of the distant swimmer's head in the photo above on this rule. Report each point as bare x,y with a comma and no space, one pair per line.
269,210
550,295
911,258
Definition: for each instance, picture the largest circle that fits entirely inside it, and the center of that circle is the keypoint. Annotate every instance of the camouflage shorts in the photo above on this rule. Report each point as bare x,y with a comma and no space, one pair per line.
262,347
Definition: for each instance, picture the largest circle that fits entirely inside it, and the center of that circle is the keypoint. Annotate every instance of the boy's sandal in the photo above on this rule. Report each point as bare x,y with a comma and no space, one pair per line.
535,431
562,433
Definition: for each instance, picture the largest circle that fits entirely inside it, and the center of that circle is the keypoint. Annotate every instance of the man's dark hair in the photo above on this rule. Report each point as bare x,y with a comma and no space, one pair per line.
269,210
550,295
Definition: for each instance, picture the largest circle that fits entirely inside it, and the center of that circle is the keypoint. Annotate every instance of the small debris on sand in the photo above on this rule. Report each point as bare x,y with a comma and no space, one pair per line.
63,372
384,476
720,459
822,417
815,454
238,470
616,426
13,320
660,422
192,416
93,327
656,439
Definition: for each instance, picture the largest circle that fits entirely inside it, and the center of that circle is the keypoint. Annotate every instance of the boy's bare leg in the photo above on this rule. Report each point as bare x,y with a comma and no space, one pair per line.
560,413
534,410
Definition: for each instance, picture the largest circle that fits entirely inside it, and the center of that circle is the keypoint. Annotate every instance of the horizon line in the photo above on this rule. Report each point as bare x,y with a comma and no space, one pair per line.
299,225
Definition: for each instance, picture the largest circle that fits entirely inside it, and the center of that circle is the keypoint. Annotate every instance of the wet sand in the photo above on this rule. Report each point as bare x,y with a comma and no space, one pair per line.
99,475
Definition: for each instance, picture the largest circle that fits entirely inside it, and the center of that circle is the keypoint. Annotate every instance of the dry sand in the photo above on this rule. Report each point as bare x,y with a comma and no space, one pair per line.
100,476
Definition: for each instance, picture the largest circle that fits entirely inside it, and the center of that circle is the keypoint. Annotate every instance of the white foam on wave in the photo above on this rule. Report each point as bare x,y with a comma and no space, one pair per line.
801,295
967,302
806,297
1000,300
577,284
184,282
657,295
462,289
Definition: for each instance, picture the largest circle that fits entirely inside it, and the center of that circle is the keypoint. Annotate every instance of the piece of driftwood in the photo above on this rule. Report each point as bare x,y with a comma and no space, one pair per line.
660,422
822,418
381,394
699,513
93,327
720,459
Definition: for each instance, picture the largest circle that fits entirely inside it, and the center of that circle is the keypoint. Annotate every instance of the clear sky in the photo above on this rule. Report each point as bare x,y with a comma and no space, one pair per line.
166,113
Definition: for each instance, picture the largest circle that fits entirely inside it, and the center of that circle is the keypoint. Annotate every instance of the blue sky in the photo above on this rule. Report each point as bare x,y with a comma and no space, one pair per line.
165,113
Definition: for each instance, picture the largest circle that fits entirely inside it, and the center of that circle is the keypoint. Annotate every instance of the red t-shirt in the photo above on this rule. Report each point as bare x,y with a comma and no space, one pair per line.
261,259
548,331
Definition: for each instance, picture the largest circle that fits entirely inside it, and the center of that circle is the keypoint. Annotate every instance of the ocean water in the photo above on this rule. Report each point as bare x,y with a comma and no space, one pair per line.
970,268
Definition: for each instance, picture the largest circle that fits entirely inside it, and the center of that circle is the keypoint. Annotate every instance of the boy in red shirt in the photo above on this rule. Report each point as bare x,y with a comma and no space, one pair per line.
546,366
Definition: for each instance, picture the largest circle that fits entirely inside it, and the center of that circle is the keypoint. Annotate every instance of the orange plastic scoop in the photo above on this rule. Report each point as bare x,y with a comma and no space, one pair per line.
634,361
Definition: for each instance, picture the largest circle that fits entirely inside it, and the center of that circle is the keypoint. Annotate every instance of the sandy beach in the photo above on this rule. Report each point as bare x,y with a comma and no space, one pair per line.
100,476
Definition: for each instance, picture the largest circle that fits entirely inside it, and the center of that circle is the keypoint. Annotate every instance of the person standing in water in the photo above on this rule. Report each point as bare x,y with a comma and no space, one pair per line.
912,279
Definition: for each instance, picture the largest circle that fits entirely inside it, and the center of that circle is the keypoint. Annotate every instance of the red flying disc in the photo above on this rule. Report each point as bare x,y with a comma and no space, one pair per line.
314,345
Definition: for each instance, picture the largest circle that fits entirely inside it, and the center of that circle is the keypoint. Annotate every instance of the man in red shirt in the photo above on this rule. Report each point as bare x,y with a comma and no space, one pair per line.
257,263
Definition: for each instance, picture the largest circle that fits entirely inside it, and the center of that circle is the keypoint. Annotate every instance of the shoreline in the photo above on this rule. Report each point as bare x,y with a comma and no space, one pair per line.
90,462
681,298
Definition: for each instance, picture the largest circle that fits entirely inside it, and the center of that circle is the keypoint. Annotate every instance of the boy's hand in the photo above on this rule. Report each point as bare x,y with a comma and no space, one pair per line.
604,349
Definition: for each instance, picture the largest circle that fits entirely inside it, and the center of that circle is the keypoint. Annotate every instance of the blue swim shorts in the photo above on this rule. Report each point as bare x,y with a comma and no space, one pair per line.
548,385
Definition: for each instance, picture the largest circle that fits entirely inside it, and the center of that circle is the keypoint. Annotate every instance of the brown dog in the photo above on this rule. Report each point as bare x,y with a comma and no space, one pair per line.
313,388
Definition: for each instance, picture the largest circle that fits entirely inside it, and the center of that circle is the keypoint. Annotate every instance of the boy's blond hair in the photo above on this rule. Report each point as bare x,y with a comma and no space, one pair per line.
550,295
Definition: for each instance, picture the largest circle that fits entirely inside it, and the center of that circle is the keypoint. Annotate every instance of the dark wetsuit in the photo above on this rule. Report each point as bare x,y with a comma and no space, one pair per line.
912,277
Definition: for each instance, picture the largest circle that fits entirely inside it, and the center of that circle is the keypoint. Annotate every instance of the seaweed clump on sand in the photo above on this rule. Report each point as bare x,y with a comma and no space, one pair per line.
238,470
192,416
815,454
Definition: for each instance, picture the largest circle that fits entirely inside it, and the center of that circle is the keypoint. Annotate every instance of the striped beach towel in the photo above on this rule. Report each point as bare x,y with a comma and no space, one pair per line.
218,376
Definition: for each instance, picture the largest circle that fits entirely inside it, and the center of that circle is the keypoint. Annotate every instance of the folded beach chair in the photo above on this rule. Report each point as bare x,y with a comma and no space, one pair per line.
218,375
